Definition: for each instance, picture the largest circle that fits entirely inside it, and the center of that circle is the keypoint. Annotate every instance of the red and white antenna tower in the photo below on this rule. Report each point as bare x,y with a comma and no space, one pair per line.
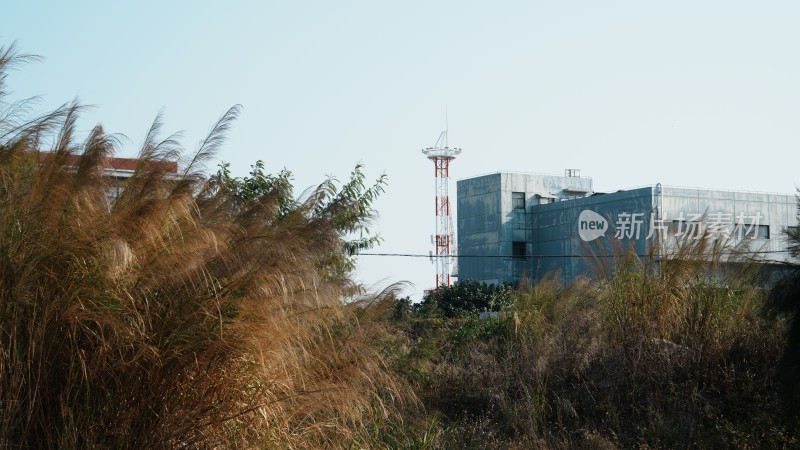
444,241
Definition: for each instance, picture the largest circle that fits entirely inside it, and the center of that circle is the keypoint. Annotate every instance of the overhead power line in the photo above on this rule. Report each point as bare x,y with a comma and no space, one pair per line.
520,257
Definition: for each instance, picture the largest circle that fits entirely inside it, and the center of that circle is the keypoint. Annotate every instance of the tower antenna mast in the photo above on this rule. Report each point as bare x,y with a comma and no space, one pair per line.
444,240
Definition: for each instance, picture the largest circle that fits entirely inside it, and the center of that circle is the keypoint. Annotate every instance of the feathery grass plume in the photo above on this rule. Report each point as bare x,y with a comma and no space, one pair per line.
9,59
670,350
676,286
174,317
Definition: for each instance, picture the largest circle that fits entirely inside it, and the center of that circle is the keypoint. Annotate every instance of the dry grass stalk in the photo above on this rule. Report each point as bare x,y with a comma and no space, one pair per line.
174,316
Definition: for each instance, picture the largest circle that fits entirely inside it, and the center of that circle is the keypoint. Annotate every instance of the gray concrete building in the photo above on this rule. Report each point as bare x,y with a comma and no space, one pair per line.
511,225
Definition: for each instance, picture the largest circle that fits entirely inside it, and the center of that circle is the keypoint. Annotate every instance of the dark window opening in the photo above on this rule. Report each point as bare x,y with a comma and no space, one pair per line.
518,200
518,249
763,231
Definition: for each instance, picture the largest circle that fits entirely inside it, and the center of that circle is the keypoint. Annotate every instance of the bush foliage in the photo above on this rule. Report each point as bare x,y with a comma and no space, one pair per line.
466,297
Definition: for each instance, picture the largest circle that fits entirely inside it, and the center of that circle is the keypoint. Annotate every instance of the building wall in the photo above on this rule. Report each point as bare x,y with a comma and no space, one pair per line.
500,243
776,211
488,224
478,230
557,247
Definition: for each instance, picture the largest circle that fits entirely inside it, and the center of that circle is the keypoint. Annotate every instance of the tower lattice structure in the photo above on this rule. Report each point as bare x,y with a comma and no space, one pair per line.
444,240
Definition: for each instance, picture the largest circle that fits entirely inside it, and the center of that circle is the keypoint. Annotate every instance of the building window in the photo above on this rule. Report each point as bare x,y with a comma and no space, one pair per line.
748,231
763,232
518,200
518,249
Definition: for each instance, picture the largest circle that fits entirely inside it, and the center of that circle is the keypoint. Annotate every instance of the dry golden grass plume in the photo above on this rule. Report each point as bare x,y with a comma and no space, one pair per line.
173,316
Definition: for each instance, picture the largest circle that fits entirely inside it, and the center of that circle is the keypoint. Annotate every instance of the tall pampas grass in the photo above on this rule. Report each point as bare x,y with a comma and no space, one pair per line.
175,315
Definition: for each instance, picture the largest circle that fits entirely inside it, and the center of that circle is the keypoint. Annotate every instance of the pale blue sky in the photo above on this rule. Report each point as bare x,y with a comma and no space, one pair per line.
632,93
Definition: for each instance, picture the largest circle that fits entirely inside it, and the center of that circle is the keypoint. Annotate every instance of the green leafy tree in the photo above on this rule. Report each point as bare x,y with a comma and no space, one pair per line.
257,185
466,297
402,308
347,208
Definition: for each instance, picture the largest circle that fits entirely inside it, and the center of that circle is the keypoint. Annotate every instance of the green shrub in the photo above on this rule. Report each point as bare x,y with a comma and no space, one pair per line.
466,297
